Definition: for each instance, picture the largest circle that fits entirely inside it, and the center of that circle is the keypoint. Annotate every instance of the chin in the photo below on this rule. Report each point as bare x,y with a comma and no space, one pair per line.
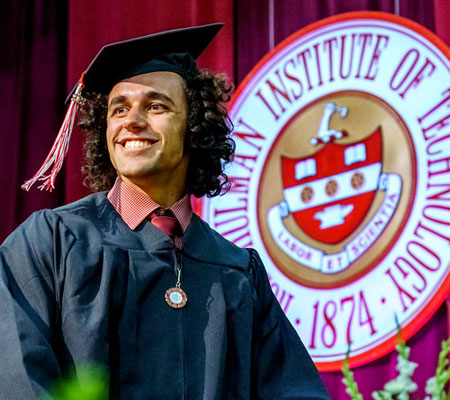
136,177
137,172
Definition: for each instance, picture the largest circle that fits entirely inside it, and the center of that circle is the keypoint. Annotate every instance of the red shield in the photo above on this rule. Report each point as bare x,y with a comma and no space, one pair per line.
330,192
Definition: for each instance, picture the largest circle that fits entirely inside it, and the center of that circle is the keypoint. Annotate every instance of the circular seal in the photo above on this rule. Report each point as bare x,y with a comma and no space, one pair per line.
341,181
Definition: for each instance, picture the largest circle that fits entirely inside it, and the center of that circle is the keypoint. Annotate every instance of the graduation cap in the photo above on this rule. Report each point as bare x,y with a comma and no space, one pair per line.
175,51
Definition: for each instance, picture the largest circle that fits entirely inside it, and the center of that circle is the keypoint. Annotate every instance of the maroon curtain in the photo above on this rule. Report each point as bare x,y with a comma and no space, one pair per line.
32,62
441,15
46,45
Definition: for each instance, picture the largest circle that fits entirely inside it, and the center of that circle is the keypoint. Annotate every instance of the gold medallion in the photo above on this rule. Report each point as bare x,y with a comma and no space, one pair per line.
175,297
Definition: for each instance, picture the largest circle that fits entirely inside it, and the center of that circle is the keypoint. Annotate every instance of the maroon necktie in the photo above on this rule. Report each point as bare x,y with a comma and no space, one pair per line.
166,222
164,219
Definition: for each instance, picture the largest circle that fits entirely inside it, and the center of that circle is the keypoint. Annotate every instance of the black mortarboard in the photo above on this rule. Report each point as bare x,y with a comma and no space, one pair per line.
175,50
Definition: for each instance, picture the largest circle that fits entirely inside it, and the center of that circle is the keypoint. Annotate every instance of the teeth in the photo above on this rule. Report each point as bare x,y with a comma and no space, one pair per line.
136,144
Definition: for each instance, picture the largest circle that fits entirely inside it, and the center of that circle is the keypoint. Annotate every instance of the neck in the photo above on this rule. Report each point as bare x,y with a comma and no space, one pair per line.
164,193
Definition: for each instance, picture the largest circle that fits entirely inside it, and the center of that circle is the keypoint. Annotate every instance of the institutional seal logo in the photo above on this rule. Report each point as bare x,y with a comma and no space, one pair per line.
341,181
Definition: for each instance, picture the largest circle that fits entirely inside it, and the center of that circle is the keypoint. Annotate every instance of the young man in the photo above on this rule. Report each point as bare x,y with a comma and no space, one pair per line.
129,277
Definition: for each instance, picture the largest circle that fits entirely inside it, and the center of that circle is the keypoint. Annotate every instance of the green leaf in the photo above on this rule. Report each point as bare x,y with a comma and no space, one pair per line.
90,382
351,387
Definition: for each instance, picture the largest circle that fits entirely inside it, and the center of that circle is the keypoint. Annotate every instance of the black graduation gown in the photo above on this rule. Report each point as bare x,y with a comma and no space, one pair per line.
78,286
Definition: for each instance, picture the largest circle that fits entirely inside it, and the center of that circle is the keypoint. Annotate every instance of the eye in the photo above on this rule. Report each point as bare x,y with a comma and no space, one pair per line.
120,110
157,107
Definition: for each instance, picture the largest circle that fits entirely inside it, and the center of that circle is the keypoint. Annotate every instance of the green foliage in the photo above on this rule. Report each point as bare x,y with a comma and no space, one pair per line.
351,387
88,383
436,384
400,387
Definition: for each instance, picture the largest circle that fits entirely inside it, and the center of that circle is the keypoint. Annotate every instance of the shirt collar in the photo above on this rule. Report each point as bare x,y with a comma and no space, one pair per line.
134,206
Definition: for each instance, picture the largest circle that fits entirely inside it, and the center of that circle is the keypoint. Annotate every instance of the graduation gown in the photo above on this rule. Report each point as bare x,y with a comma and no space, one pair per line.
78,286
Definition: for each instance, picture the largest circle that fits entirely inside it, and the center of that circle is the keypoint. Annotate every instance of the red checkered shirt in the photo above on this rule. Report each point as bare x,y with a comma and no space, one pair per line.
134,206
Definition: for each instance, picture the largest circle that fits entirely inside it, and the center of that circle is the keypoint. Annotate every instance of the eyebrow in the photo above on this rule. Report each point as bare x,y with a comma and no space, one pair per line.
116,100
152,95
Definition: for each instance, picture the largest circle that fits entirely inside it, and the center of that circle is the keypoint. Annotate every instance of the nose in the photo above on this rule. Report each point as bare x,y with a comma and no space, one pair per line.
135,120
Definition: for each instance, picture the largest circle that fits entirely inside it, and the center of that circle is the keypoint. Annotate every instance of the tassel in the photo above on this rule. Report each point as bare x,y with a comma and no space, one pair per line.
60,146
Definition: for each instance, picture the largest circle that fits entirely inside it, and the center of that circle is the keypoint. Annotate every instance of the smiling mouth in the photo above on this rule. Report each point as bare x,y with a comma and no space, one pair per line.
137,144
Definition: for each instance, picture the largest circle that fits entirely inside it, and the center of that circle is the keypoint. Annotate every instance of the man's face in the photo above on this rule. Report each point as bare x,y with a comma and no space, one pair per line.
146,125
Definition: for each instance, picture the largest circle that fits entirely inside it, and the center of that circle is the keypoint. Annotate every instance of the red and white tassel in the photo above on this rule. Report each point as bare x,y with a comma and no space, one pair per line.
60,146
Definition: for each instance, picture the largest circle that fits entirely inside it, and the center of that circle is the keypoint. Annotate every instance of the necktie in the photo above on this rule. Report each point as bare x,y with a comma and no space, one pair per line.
165,221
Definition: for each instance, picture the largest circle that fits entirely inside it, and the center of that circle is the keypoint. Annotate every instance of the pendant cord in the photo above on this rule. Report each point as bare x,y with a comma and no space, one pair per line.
178,284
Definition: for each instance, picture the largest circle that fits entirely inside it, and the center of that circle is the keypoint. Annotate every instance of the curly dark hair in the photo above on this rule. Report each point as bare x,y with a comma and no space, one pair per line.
207,137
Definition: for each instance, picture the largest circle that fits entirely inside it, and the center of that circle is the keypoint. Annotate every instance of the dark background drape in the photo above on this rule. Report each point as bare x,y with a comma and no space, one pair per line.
46,44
